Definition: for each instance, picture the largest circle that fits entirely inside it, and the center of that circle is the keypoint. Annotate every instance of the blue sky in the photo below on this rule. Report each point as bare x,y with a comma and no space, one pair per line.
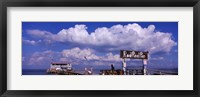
97,44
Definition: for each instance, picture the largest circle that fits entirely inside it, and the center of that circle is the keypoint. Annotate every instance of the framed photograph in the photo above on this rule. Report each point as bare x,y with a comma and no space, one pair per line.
99,48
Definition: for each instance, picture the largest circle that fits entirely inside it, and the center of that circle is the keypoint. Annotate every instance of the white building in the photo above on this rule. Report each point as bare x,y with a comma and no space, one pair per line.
61,66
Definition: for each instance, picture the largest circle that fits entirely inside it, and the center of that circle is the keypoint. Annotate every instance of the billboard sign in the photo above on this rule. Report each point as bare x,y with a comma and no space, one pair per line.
133,54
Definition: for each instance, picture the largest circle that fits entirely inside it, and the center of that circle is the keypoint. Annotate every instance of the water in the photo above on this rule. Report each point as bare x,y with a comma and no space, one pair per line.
95,71
44,72
34,72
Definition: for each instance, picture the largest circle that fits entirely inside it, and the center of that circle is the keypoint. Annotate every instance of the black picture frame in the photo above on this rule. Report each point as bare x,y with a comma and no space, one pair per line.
99,3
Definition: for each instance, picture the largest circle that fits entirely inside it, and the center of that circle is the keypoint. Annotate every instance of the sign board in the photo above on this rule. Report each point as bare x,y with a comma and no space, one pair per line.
133,54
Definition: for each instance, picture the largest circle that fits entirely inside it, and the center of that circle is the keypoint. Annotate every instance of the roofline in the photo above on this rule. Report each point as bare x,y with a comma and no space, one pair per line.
54,63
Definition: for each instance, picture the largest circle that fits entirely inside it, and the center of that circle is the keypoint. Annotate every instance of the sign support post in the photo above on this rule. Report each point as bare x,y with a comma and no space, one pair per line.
124,65
145,66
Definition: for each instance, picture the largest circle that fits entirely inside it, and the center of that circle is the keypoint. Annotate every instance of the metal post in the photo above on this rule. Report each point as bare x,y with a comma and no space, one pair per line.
145,66
124,66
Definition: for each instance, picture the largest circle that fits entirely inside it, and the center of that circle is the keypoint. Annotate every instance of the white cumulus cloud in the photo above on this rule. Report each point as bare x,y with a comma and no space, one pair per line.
80,54
31,42
47,37
74,55
130,36
40,58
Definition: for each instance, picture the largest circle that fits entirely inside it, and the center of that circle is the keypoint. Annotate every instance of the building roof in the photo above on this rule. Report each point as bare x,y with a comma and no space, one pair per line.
59,63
